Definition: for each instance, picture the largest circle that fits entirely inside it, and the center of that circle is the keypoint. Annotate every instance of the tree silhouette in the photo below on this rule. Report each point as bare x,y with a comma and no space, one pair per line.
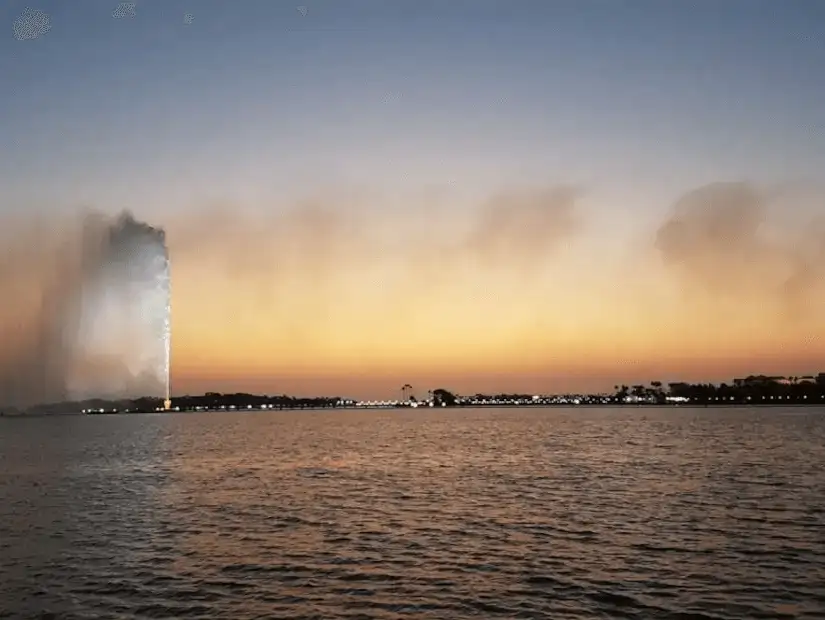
444,398
657,392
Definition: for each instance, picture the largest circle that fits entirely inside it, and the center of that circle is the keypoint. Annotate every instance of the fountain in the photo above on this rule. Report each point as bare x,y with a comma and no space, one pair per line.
123,343
91,311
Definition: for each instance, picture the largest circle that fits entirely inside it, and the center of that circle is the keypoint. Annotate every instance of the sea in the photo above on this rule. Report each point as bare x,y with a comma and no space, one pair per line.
706,513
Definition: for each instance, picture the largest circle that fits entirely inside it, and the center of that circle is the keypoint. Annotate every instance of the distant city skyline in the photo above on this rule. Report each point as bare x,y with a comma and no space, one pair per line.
540,196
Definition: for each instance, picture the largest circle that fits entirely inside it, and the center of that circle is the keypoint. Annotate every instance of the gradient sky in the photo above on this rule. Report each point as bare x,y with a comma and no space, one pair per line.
402,120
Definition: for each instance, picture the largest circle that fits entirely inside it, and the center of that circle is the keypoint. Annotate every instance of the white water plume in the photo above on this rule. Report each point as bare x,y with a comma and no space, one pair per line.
89,313
122,347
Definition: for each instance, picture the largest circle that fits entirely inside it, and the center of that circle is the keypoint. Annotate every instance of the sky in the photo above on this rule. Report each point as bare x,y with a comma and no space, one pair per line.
479,195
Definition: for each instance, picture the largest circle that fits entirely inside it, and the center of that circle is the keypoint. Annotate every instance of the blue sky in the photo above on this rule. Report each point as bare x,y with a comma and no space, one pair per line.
254,97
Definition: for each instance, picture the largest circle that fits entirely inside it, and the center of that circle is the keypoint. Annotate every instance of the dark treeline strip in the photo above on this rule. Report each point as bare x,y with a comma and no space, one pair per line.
753,390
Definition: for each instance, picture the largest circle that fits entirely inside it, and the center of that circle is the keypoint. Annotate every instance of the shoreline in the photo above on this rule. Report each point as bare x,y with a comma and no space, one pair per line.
636,406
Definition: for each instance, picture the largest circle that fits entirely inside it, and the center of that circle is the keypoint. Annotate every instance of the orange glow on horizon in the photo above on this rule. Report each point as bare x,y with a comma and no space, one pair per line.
518,293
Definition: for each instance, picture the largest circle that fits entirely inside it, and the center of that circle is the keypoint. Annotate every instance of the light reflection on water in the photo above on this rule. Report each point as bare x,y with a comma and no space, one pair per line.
703,513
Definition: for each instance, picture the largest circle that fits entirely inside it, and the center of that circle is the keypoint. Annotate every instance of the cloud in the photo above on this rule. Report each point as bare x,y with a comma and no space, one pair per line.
341,261
321,240
514,233
523,228
720,242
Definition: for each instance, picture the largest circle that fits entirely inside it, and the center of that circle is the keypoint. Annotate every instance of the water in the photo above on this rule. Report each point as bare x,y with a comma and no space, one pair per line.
635,513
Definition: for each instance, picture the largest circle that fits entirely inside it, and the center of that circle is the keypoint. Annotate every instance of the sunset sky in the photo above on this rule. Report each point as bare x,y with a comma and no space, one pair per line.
479,195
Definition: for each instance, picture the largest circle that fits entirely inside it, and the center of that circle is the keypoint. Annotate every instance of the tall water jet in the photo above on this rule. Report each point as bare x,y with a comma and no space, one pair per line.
123,337
166,281
87,311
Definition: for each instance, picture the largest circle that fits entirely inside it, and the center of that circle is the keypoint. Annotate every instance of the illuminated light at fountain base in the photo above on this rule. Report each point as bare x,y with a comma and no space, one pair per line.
167,404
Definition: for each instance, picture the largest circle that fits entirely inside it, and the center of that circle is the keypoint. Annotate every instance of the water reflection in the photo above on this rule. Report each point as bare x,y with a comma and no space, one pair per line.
76,498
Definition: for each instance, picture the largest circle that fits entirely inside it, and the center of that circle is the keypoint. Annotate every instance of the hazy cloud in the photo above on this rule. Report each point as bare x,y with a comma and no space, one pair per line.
523,228
321,240
296,265
720,241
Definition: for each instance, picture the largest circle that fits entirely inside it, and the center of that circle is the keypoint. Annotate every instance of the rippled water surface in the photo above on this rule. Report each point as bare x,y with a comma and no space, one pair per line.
520,513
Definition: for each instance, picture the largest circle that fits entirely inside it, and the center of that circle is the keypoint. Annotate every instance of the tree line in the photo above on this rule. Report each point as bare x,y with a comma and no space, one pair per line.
755,389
